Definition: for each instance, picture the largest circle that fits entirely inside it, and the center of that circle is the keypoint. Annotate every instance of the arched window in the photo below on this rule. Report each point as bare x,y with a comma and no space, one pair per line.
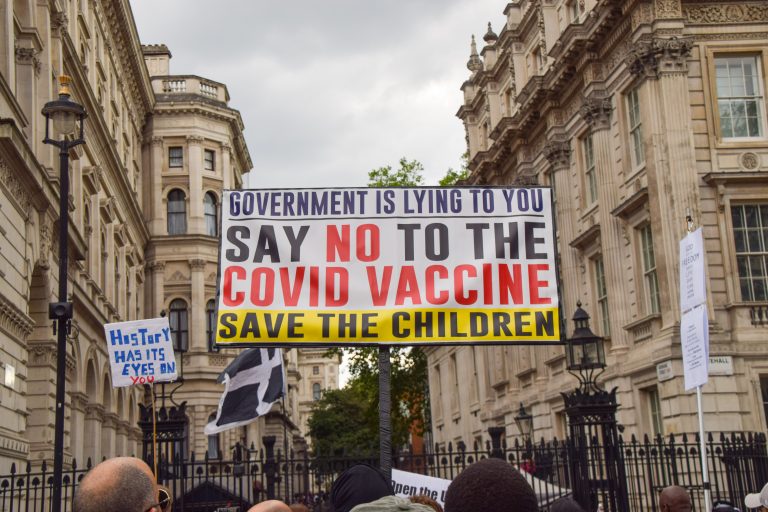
179,321
210,324
315,391
213,441
211,220
177,212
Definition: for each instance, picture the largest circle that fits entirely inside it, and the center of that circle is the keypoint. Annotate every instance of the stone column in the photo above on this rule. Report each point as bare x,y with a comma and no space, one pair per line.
558,154
77,421
93,417
226,165
157,216
27,71
672,176
197,309
596,111
108,430
195,167
158,281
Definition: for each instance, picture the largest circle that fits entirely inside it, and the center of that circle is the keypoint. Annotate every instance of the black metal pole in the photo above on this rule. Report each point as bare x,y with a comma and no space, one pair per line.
385,419
62,313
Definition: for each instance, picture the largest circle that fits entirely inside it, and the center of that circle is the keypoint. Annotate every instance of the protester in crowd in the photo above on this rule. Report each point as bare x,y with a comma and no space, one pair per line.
724,506
270,506
758,499
566,504
426,500
675,499
120,484
490,485
357,485
392,504
528,465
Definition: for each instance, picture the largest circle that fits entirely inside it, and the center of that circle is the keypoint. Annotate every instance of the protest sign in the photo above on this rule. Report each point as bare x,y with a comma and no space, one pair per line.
692,278
140,352
408,484
405,265
694,336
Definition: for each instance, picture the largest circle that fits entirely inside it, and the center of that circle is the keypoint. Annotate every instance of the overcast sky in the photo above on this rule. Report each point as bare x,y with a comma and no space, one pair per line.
330,89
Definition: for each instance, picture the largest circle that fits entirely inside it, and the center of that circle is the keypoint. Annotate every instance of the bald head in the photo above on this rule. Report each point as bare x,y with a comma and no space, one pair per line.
120,484
298,507
270,506
675,499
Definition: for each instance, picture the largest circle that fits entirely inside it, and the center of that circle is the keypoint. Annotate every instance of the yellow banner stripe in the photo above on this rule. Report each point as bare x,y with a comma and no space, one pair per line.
387,326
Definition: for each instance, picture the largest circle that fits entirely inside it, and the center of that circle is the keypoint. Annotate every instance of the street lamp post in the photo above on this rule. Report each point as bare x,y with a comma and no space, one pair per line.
65,115
596,461
524,421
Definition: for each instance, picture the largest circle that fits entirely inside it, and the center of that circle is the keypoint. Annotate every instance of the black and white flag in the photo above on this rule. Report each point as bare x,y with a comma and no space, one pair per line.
252,383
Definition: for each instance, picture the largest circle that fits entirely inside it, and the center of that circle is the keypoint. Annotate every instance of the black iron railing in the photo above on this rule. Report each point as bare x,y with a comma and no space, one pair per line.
738,465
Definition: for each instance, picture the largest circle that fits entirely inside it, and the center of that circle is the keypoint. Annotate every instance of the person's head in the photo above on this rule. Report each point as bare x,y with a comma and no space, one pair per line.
120,484
426,500
270,506
724,506
758,499
359,484
675,499
490,485
392,504
566,504
298,507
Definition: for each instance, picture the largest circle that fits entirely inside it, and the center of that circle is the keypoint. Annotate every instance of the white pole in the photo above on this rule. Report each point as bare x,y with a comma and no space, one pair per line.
703,451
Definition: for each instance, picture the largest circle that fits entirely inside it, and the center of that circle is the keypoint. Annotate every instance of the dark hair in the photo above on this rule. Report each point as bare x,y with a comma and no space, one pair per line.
490,485
426,500
566,504
130,490
357,485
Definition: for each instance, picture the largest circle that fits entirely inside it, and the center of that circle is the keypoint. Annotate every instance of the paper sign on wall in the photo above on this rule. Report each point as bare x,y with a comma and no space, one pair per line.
140,352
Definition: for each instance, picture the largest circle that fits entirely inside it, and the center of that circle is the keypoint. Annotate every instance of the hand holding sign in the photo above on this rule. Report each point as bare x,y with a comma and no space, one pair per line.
140,352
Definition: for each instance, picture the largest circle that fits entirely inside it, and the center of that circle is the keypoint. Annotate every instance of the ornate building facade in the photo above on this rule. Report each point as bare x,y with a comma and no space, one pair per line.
637,113
144,206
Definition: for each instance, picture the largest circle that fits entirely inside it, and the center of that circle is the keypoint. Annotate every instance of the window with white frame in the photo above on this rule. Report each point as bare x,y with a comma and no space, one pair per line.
654,410
176,156
316,391
209,160
575,10
602,296
650,276
637,150
589,165
213,441
740,96
178,318
750,236
177,212
211,218
210,325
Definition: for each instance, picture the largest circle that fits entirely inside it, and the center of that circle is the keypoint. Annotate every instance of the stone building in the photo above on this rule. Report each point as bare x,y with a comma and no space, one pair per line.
637,113
318,374
144,206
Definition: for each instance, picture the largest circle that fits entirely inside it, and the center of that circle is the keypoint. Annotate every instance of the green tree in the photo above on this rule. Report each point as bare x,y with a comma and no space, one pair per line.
452,177
342,421
408,175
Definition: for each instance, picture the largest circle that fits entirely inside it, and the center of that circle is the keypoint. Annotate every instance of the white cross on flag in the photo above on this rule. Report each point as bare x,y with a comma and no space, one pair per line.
252,383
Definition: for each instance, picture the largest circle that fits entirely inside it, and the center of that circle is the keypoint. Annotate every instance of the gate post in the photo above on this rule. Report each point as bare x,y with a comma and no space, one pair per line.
270,465
496,434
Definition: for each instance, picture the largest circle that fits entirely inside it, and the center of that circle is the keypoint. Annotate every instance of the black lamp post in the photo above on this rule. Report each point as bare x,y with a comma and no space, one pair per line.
67,117
584,352
596,462
524,421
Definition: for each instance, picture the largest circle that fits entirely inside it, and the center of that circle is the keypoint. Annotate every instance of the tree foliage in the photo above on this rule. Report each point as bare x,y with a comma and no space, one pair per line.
452,177
342,422
408,175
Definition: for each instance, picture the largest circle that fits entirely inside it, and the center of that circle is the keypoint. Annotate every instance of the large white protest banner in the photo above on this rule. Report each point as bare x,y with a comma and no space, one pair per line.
405,265
140,352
